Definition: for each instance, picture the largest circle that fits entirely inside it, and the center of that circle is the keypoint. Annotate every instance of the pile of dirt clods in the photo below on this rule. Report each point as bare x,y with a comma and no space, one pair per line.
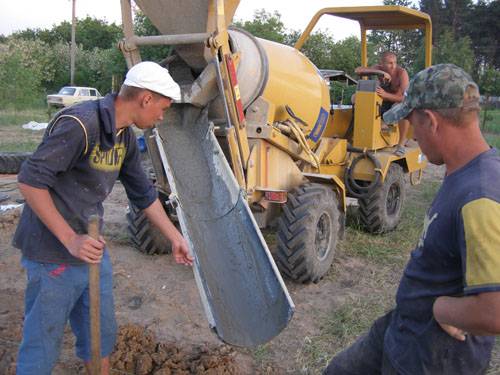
137,352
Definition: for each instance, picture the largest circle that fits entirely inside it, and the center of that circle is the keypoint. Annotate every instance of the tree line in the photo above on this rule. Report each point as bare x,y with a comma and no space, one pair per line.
34,62
464,33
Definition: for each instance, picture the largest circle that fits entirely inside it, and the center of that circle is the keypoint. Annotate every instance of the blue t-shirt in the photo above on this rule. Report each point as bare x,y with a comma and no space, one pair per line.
458,254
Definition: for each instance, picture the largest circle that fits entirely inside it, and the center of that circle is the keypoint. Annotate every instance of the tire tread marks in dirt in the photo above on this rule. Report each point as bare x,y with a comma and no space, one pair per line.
297,256
10,162
373,211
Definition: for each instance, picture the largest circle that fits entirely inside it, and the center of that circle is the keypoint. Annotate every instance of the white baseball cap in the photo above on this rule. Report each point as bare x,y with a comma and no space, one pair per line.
152,76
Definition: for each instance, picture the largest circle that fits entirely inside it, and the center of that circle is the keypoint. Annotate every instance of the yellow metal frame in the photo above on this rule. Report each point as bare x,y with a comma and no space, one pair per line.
391,17
239,149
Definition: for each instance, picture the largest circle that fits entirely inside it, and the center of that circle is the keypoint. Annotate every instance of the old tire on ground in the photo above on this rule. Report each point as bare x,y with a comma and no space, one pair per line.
308,232
10,162
146,237
381,212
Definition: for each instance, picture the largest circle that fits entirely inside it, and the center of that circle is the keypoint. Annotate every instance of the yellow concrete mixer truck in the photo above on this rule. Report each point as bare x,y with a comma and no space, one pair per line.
293,156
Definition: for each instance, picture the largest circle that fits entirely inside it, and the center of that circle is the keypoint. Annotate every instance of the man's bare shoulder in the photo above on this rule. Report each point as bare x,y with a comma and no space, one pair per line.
402,71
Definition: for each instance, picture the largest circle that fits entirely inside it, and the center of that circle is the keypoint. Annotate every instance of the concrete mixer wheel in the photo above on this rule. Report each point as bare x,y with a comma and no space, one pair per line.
146,237
381,212
308,232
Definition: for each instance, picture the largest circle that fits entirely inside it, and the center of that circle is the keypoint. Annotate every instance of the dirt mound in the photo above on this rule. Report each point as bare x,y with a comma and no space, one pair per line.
11,319
138,352
9,218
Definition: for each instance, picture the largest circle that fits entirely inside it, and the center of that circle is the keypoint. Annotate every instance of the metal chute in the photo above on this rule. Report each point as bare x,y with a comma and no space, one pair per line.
243,293
245,299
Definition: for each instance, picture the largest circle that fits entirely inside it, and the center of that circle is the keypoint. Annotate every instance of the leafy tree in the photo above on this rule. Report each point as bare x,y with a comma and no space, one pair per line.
466,19
98,66
269,26
489,82
347,54
60,64
44,35
93,68
90,33
457,13
94,33
36,60
18,86
483,29
320,49
454,51
144,27
340,93
97,55
22,70
434,8
265,25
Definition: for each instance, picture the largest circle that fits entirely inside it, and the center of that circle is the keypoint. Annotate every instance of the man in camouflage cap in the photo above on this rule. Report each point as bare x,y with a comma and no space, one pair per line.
448,301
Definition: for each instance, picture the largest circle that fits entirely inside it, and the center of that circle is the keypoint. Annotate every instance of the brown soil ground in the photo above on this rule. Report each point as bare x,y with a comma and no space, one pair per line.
162,325
163,329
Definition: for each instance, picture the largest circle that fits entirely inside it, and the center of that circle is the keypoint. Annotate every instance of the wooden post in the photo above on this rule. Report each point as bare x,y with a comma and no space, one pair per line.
94,292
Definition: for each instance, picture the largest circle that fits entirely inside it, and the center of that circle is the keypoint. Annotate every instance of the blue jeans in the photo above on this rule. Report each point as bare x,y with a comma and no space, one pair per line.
55,294
366,356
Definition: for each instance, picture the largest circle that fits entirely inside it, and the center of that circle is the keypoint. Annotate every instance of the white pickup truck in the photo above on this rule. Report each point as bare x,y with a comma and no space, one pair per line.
70,95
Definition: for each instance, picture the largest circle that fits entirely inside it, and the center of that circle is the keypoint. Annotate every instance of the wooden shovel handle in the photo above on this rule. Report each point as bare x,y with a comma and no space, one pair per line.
94,293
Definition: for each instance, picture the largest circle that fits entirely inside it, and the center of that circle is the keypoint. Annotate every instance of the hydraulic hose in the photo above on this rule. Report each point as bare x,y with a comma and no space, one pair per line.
299,135
353,187
294,116
293,129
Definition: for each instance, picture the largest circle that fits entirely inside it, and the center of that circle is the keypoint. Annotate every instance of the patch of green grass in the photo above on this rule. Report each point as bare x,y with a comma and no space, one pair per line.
427,190
261,354
493,140
314,354
492,123
19,140
376,248
21,146
351,319
392,246
339,328
13,138
11,117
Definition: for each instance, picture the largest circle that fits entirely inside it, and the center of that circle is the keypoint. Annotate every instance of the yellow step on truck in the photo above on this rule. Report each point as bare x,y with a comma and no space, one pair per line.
295,157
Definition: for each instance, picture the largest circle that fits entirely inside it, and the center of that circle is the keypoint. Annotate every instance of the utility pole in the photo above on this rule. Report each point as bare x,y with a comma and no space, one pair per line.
72,53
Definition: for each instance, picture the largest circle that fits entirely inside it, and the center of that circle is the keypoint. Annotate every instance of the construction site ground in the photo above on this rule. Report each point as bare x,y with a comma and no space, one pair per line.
163,329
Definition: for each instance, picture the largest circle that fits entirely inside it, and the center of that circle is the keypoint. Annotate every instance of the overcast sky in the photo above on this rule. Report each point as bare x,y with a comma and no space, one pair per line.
21,14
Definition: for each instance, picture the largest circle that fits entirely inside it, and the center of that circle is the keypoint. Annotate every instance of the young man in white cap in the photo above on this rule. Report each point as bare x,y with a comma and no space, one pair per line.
85,149
448,301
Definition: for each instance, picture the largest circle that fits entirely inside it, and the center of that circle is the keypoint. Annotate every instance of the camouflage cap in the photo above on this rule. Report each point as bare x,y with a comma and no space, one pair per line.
437,87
